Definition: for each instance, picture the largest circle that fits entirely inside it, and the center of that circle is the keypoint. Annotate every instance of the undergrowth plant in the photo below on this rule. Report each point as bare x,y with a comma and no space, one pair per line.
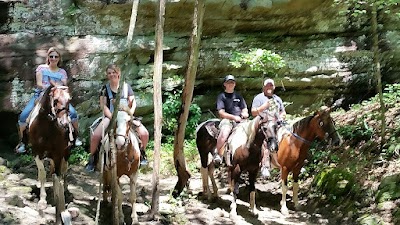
257,59
171,111
167,167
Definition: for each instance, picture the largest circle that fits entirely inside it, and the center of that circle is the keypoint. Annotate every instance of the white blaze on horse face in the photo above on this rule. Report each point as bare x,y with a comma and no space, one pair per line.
122,123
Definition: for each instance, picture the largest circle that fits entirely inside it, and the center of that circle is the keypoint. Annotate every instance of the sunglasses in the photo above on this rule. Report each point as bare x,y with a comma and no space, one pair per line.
53,56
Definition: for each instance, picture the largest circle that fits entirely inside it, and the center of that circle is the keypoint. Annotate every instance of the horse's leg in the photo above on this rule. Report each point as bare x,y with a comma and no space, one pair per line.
234,183
64,169
296,173
204,178
59,199
106,185
133,179
284,175
252,187
214,184
120,198
42,204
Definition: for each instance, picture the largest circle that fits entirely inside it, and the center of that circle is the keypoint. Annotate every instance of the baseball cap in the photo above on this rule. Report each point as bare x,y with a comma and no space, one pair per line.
269,81
229,77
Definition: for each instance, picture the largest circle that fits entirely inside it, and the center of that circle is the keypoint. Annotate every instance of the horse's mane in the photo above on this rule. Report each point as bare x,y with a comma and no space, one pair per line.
252,130
45,98
301,123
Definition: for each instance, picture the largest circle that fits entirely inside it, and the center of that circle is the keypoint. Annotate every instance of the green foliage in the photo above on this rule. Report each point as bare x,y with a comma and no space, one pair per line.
358,8
356,133
391,148
167,167
260,60
391,95
336,184
78,155
171,112
370,220
389,189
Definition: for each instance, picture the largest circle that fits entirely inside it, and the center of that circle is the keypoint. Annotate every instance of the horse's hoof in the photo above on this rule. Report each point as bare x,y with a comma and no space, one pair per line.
42,204
285,211
66,218
74,211
233,215
254,212
135,221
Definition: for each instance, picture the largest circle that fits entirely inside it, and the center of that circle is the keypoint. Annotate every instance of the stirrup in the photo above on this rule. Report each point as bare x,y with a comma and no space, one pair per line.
217,160
89,168
78,142
144,162
20,148
265,172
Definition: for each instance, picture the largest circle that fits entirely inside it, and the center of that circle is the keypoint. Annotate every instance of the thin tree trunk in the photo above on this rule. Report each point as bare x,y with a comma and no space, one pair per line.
378,76
187,95
132,23
110,129
157,98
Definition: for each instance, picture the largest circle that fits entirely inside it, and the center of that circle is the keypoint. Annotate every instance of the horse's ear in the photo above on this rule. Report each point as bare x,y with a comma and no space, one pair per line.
325,109
51,91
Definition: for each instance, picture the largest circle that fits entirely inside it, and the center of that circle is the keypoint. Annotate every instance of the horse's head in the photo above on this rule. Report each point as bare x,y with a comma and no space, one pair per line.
59,101
269,127
325,127
122,129
270,131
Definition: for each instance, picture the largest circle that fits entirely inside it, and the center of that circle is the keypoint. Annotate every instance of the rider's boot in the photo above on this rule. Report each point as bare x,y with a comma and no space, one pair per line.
78,142
217,157
90,167
20,148
143,158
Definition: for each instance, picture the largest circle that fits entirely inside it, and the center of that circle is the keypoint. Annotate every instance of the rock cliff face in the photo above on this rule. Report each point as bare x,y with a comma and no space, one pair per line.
326,58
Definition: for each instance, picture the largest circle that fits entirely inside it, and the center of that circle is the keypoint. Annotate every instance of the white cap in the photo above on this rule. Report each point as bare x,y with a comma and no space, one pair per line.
269,81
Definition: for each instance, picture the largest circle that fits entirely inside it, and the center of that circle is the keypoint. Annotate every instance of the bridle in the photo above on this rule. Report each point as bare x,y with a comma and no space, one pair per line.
54,100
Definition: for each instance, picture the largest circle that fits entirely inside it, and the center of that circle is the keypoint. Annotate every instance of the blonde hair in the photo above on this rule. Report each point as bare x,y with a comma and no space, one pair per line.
114,67
54,49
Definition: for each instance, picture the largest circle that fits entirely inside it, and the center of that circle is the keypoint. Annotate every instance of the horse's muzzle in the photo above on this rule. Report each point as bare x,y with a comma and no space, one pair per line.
120,141
272,144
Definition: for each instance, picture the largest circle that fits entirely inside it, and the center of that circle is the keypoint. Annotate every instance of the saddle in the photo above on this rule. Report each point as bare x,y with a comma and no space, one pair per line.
212,129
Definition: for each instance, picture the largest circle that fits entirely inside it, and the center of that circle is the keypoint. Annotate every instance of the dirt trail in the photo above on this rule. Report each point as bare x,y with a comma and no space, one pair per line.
19,196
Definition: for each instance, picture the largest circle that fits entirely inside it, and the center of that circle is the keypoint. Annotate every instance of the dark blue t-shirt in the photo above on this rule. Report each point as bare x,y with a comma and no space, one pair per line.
232,103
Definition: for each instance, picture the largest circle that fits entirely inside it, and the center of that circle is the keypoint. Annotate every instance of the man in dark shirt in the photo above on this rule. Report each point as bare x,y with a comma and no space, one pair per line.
232,109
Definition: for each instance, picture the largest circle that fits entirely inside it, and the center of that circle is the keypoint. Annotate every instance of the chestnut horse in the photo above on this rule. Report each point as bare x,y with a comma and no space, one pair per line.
127,162
294,145
244,144
51,136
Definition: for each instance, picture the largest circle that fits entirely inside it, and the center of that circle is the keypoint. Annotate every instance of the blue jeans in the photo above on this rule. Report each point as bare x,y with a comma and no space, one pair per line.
31,104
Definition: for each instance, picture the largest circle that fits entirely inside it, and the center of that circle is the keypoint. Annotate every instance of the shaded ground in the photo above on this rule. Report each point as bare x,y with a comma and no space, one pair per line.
19,197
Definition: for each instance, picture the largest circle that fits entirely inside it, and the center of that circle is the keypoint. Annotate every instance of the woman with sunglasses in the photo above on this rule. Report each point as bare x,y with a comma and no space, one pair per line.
46,75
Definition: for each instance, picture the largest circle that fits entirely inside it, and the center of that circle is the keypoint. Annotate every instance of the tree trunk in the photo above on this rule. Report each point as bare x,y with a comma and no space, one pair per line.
114,176
187,95
157,98
132,23
378,76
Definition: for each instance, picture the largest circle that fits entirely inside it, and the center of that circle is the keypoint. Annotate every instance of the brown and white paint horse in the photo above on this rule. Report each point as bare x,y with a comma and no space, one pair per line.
245,146
51,136
127,162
